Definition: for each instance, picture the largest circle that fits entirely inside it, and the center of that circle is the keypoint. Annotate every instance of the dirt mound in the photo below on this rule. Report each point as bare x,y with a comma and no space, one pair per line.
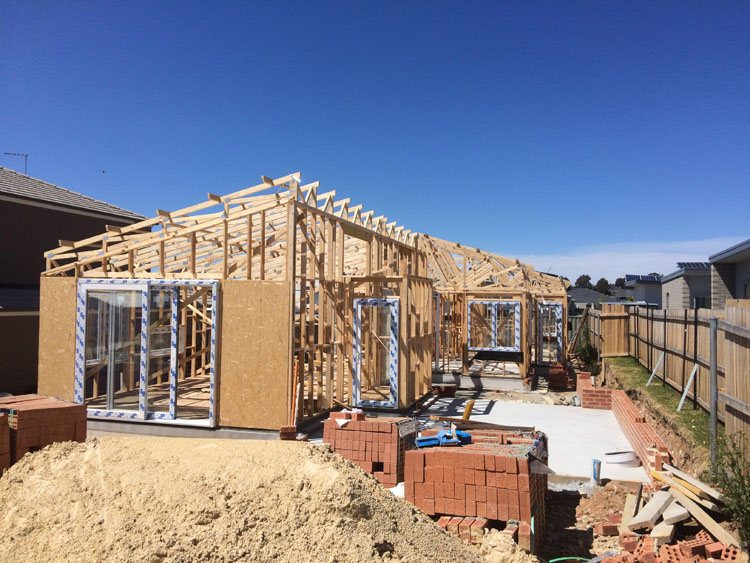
605,502
162,499
500,548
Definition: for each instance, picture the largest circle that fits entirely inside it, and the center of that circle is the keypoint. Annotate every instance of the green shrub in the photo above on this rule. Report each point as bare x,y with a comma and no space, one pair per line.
731,473
587,353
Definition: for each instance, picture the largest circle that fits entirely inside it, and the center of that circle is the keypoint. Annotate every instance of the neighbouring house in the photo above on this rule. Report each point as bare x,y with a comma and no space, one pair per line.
688,287
623,294
646,289
34,216
730,274
579,297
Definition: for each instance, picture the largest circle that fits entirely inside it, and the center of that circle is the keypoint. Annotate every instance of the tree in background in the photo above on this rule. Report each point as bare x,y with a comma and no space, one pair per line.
620,282
584,281
602,286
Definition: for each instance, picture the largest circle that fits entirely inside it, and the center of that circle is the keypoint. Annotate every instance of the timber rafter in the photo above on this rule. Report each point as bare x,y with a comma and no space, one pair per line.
241,235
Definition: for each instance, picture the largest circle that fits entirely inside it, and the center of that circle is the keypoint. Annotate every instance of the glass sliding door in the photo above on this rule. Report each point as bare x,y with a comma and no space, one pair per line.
159,349
146,349
112,349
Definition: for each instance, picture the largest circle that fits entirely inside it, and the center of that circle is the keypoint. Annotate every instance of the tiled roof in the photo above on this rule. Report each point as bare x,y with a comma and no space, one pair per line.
16,184
584,295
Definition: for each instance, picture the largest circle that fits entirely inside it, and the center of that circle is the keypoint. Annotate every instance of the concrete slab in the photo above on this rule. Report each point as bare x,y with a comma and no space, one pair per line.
478,383
576,435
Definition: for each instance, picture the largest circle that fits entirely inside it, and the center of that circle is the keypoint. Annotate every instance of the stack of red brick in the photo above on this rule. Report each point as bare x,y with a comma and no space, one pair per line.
4,443
377,445
489,478
470,530
647,443
557,375
592,398
36,421
702,547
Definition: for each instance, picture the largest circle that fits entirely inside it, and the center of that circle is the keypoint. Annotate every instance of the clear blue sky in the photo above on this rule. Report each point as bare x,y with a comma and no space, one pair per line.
531,129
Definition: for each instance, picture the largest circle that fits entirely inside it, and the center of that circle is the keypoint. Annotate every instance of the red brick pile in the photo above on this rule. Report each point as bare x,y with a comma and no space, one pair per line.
592,398
374,444
4,443
36,421
647,443
489,478
470,530
701,548
557,374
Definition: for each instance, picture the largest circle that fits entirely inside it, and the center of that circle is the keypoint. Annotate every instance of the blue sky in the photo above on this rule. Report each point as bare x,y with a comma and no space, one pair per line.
594,137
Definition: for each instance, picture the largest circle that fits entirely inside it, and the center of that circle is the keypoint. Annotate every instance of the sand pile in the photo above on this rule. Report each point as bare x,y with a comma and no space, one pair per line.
160,499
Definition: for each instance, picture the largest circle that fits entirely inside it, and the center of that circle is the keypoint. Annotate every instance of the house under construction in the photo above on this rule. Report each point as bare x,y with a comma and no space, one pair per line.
274,304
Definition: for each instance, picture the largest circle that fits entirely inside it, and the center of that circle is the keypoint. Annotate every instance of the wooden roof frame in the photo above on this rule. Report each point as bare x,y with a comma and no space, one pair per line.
458,268
209,240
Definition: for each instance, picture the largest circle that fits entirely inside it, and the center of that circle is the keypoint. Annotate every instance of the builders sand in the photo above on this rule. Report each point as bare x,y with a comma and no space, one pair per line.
180,500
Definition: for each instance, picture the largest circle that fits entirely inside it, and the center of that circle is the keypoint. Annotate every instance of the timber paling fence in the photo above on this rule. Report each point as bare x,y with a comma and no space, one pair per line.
675,345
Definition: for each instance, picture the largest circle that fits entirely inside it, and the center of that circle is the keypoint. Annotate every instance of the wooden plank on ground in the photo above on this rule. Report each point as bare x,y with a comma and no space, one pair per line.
651,513
705,520
627,512
707,504
675,513
690,487
663,532
713,493
468,424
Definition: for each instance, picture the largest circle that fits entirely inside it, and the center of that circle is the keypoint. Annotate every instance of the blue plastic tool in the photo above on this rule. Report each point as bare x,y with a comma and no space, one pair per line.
444,437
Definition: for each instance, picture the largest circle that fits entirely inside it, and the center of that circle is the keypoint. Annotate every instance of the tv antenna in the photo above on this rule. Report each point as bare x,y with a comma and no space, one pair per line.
25,159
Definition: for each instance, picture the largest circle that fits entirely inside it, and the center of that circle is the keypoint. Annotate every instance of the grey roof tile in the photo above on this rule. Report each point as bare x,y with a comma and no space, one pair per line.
19,185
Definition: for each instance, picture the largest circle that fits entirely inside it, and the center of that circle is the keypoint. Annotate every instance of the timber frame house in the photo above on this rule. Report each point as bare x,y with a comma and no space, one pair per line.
256,309
270,306
496,308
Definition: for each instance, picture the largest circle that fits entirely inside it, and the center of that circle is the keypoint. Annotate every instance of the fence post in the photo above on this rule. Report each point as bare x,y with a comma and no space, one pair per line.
638,334
599,348
714,389
650,313
695,356
684,350
664,351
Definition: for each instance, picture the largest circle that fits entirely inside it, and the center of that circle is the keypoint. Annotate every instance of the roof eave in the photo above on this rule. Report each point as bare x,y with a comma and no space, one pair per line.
729,252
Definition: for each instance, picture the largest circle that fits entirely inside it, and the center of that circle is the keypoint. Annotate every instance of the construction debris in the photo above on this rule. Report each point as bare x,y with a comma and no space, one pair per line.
650,514
671,513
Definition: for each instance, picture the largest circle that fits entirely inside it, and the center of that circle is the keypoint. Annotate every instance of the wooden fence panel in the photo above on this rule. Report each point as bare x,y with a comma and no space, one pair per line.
683,336
738,375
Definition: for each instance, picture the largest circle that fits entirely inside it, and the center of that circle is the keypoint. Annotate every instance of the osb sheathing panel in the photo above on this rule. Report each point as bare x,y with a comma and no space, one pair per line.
254,354
57,337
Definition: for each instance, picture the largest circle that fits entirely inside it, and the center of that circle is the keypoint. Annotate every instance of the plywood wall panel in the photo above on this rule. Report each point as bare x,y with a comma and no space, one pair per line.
57,337
254,354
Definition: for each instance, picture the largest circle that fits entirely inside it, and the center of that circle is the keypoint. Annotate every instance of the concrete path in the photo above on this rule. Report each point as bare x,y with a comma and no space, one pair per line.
576,435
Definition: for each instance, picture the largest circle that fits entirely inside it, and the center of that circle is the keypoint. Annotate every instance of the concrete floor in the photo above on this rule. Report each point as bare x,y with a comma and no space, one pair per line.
576,435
